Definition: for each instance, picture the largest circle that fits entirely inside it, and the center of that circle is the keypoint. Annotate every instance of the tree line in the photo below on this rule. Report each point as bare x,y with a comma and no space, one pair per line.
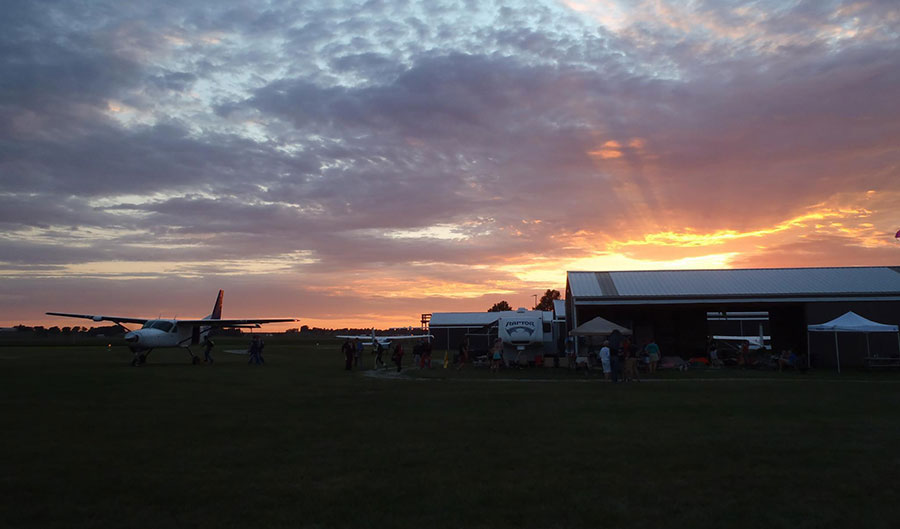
40,330
546,302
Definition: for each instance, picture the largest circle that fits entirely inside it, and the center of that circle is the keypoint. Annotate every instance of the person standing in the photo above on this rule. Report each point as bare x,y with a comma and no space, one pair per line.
347,349
398,356
417,355
605,360
207,350
379,351
463,353
714,355
744,355
259,352
631,371
357,351
615,341
570,352
496,355
426,354
653,353
617,360
254,350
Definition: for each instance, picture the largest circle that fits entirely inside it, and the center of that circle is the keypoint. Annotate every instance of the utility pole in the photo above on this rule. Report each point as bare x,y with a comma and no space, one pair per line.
535,301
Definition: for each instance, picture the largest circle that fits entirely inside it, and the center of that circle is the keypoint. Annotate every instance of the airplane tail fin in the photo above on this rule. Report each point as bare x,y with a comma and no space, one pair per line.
217,308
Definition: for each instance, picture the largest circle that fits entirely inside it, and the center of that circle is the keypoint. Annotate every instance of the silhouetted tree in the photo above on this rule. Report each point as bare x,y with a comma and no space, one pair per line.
546,302
500,307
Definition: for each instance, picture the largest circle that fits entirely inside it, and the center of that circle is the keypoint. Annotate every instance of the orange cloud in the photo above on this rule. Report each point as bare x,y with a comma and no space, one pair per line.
606,154
609,150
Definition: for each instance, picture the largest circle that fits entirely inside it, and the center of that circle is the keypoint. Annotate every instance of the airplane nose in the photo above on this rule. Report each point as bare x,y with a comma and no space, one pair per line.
132,337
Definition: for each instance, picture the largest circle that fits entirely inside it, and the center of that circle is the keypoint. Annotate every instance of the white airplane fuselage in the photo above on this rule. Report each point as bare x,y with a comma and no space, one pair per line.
165,333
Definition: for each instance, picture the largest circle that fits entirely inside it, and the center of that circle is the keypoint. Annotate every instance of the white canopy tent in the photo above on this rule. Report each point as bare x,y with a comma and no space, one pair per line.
849,322
598,327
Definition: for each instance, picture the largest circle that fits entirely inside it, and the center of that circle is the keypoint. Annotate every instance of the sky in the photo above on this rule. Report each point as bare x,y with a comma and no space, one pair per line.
359,163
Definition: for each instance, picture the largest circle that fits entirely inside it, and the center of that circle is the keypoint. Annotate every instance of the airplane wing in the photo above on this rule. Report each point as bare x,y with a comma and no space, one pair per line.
365,344
235,322
114,319
406,337
385,338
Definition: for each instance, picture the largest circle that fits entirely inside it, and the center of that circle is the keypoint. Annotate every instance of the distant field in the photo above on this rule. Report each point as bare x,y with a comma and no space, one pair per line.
88,441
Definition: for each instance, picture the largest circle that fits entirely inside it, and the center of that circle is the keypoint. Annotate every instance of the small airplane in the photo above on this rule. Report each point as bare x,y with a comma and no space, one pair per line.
754,342
173,332
385,341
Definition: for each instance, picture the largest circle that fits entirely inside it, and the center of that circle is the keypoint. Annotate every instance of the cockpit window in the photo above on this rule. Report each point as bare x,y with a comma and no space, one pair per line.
162,325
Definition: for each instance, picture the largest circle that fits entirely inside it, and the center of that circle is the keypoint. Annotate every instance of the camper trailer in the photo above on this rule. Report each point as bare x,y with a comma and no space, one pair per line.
526,335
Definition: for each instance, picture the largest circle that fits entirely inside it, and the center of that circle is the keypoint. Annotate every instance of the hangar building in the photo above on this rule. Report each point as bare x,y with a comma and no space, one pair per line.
672,306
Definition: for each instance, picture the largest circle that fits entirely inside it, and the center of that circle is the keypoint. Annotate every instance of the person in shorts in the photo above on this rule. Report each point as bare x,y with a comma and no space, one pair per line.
496,355
605,362
653,353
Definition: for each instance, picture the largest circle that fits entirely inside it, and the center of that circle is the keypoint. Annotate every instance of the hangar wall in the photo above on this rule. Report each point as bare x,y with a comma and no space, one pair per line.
682,329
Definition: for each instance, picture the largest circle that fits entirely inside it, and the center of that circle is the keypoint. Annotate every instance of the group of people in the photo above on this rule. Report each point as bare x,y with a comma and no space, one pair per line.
618,357
746,358
352,350
494,355
255,351
422,354
788,359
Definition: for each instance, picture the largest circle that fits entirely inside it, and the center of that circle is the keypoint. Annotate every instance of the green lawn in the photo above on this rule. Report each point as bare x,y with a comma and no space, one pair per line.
88,441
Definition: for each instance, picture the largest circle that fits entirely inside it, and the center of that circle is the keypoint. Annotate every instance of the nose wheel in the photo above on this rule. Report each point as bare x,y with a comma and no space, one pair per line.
140,358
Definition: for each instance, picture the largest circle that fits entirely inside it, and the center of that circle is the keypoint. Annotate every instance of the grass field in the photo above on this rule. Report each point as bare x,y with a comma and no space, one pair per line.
88,441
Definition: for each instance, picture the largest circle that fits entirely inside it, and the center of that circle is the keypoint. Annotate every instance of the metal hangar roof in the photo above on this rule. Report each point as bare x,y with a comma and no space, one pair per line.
476,319
759,284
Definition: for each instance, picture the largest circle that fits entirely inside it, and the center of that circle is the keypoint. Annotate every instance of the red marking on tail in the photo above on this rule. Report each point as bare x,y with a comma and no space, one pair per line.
217,308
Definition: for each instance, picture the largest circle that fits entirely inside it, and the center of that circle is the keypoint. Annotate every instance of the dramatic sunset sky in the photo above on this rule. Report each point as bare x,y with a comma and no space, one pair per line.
362,162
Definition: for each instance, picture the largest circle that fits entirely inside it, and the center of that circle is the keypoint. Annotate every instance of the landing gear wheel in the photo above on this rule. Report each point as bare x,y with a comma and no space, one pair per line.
195,360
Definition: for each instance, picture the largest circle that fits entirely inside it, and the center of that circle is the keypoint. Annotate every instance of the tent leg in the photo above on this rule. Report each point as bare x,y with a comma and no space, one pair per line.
808,360
837,352
574,325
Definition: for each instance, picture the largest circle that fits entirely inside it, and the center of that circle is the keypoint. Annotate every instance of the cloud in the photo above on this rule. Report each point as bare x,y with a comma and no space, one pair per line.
370,150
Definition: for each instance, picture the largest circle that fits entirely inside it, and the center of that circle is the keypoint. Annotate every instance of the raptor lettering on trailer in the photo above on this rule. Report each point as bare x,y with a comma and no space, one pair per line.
520,325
